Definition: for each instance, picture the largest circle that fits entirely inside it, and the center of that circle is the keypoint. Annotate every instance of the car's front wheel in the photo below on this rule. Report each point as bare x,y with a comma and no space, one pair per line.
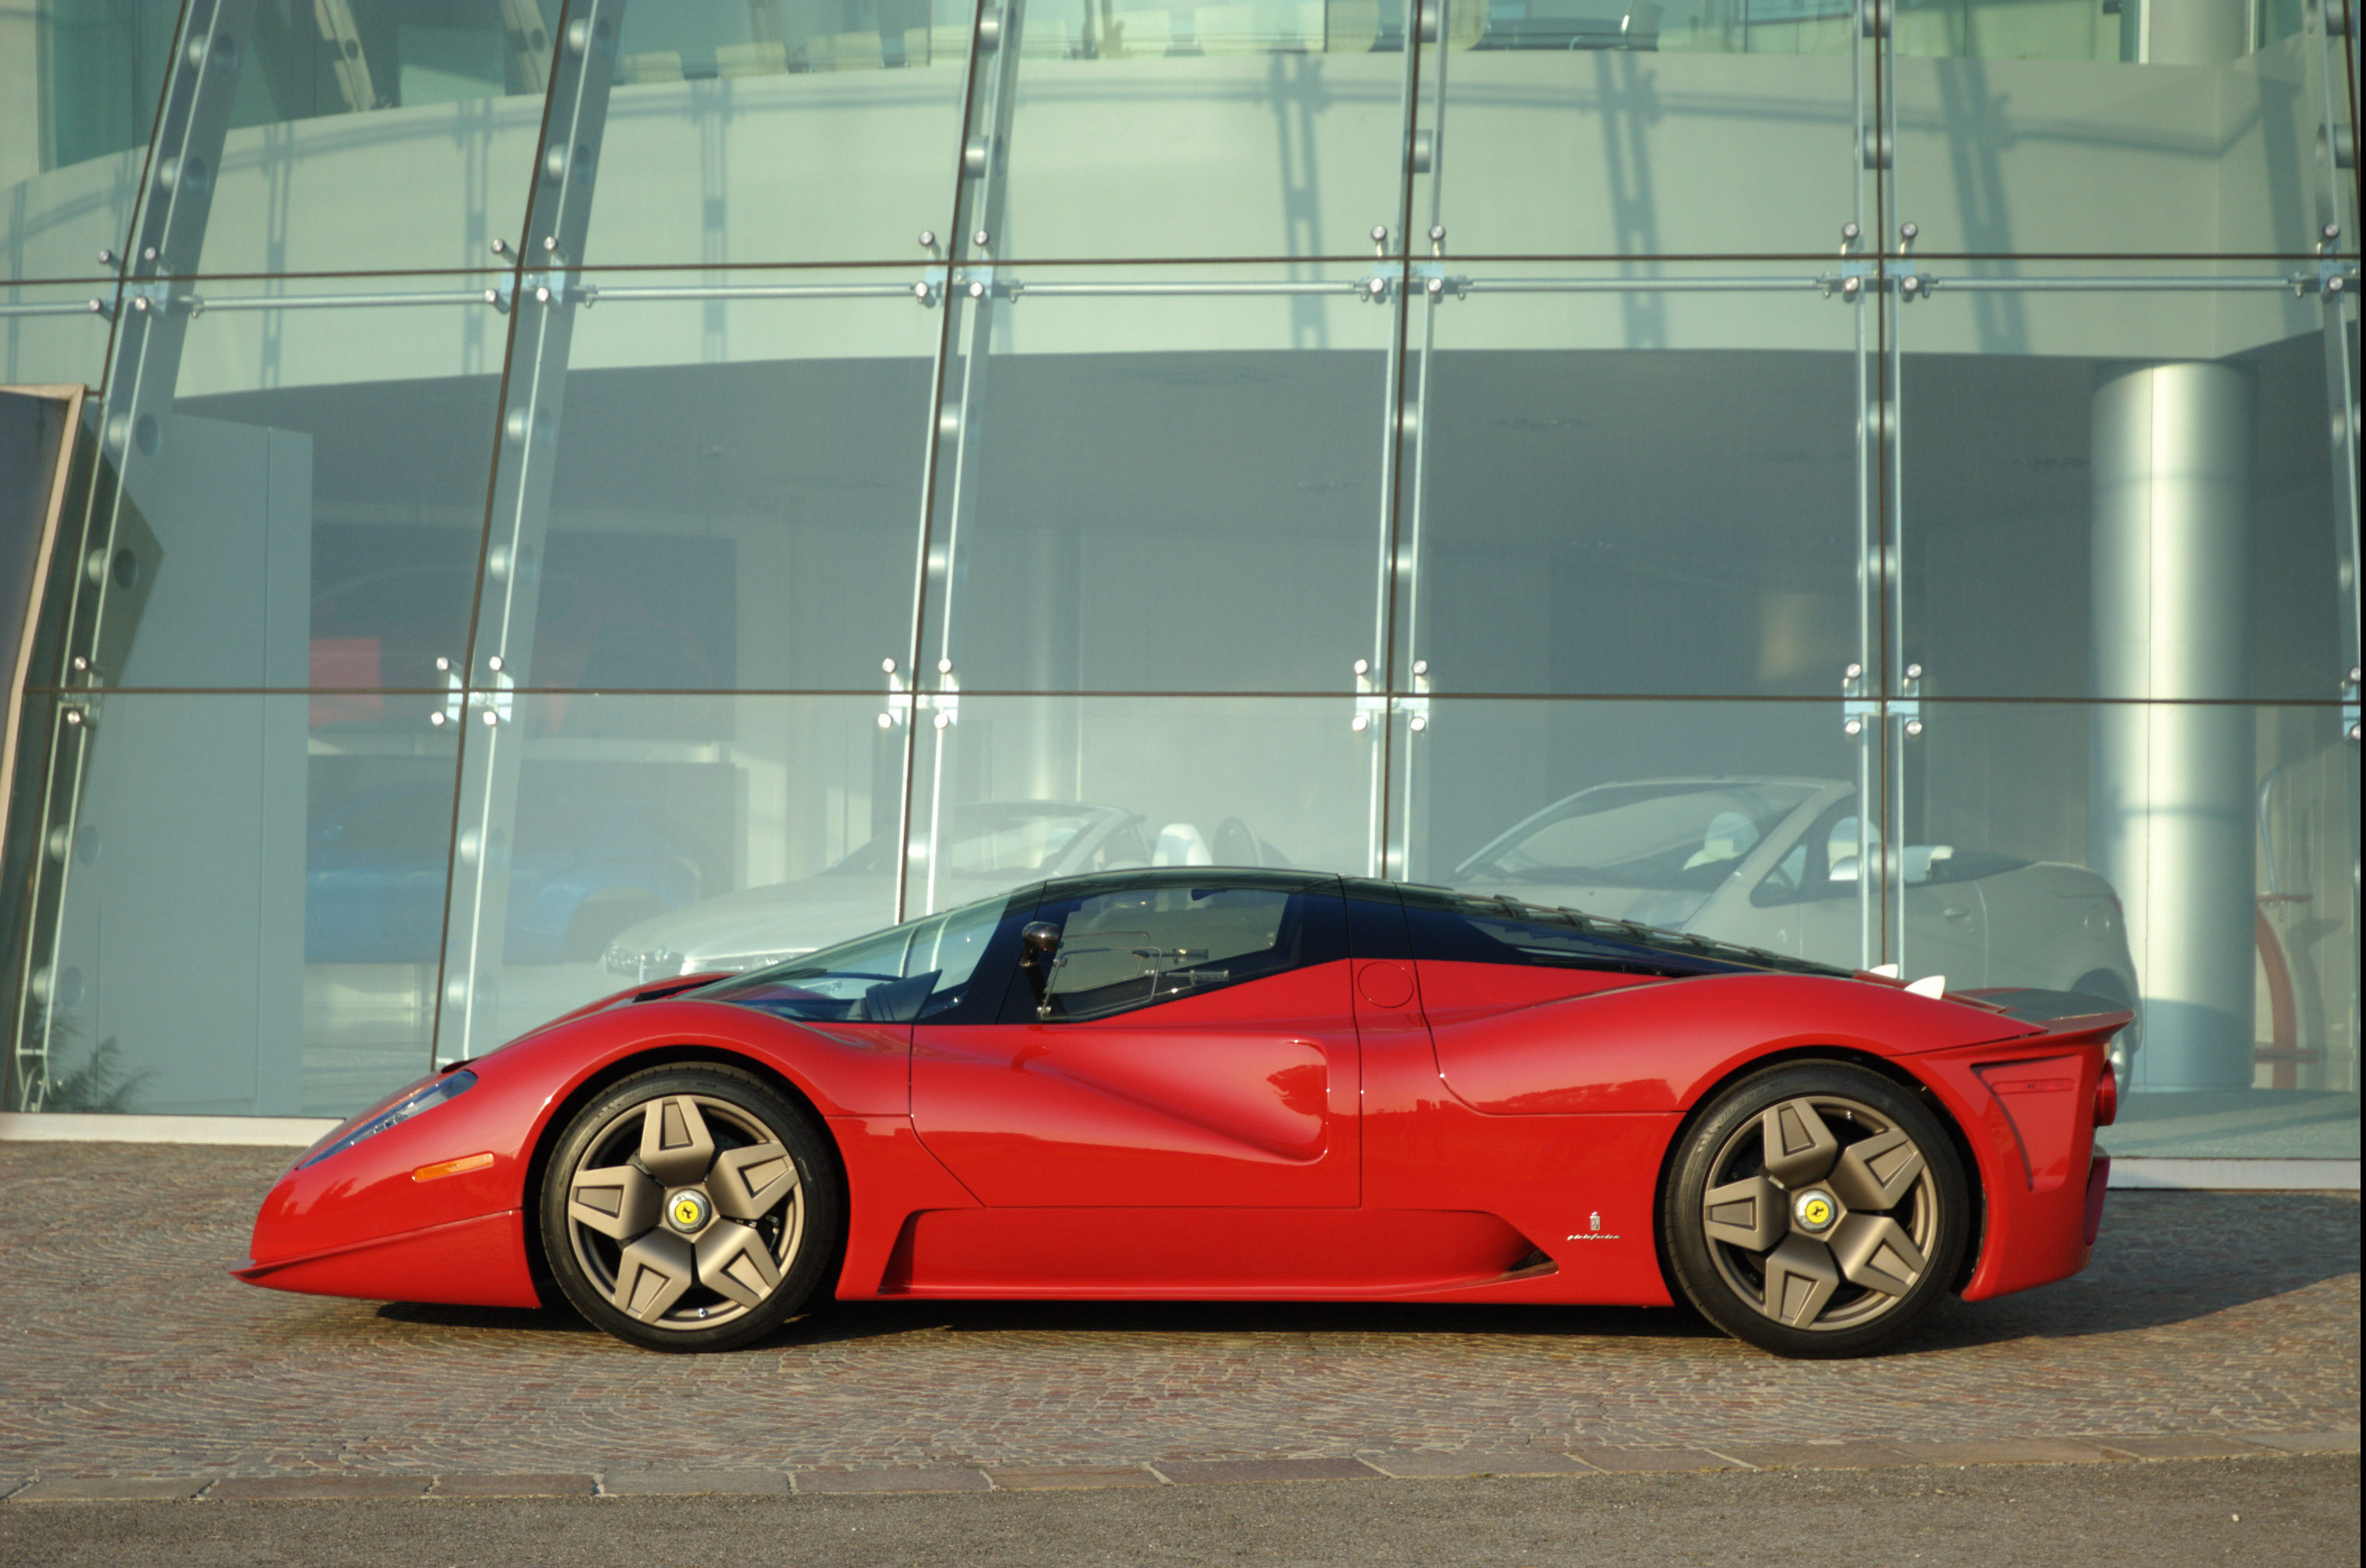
690,1208
1817,1210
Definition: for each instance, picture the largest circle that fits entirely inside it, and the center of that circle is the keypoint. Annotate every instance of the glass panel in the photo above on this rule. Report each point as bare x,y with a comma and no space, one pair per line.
1166,781
917,970
2012,115
79,81
51,335
2211,850
387,134
1161,480
1735,821
649,837
1271,129
315,488
1135,946
1642,126
737,492
282,962
781,130
1635,491
2118,486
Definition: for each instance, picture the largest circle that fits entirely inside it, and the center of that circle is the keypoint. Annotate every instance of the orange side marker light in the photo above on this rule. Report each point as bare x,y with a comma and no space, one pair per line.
451,1167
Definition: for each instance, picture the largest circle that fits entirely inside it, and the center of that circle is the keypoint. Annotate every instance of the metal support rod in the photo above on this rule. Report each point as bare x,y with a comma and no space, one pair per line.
981,213
102,612
199,304
1638,285
2115,285
601,293
1113,290
559,220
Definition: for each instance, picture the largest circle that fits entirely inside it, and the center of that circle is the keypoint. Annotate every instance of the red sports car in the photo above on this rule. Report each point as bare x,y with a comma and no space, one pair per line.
1235,1084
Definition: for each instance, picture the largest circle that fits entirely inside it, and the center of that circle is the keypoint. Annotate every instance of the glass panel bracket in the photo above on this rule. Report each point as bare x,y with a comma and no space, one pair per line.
498,704
904,699
1861,712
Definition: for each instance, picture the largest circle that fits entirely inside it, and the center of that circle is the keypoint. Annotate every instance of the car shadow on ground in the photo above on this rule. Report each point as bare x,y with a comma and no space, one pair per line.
2163,1259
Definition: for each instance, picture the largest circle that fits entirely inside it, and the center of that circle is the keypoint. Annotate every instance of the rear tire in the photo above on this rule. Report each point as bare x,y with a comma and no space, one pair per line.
1818,1210
691,1207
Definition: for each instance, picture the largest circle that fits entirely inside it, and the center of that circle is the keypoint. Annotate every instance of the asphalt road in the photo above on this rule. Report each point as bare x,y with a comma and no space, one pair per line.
2259,1513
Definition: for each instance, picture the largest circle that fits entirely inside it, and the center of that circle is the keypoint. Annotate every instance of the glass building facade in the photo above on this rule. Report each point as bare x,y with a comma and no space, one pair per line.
569,490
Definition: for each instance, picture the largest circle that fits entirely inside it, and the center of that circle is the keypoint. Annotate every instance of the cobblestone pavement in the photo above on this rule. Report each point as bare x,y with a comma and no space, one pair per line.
126,1351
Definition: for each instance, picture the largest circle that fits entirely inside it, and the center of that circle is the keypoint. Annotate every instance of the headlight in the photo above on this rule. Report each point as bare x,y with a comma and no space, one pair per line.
425,1096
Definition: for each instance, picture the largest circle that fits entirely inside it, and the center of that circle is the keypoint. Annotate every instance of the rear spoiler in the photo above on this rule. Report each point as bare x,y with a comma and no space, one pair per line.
2059,1014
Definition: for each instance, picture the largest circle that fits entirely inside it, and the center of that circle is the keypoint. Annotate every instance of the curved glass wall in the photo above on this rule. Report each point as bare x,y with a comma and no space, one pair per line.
581,492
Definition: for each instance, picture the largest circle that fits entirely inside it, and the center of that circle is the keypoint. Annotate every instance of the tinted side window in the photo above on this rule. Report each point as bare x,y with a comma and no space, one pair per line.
923,969
1132,947
1449,927
1376,920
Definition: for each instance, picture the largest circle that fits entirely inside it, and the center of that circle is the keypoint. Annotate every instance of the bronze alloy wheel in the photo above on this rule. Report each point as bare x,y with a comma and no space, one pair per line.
1818,1209
690,1208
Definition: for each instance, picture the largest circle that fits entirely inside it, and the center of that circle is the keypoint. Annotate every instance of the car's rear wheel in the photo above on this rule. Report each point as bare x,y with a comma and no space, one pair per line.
690,1207
1817,1210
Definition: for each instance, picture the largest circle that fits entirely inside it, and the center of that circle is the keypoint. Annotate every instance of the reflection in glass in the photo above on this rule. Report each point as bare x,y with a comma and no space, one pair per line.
249,911
1172,781
657,835
2011,115
737,485
987,845
1175,488
315,493
1730,820
53,334
2247,971
2111,489
781,130
1267,129
384,134
80,80
1628,493
1638,128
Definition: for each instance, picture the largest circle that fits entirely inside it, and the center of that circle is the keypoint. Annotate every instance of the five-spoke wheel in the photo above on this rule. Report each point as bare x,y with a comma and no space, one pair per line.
1817,1210
690,1208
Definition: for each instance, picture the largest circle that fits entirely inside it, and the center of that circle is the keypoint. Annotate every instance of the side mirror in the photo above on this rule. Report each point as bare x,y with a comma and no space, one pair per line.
1038,946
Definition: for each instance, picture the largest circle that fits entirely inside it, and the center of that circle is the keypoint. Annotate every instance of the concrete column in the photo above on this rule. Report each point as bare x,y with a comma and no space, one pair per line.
2170,814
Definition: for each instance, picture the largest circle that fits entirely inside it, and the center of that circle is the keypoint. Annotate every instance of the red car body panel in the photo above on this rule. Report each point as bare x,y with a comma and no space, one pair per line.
1658,1045
1240,1098
1407,1130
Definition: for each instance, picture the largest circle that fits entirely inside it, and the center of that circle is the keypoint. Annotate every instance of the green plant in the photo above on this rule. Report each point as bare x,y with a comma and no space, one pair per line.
98,1085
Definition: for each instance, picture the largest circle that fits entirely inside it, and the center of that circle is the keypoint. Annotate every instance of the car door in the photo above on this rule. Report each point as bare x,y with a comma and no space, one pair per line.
1192,1045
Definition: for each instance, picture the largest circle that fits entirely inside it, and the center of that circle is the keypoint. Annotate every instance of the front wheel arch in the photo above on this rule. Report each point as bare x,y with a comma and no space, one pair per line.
562,1113
1711,1093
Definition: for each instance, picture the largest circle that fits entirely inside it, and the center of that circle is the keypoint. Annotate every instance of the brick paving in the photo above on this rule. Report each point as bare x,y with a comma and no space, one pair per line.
2209,1324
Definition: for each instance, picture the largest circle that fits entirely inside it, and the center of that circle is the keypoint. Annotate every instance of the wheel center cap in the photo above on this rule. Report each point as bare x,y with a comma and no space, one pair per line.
1814,1210
688,1211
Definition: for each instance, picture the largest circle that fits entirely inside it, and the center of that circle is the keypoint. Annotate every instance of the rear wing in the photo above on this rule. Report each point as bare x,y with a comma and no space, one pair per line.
2061,1014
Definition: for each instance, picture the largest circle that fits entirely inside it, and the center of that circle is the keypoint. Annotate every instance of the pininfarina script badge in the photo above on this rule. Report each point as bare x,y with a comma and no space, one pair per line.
1594,1230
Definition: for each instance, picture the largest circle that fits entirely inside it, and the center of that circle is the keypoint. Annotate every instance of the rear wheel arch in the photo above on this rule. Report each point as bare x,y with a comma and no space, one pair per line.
563,1113
1793,1057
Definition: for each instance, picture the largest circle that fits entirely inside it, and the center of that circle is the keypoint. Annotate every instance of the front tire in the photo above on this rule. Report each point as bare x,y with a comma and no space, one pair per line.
1817,1210
690,1207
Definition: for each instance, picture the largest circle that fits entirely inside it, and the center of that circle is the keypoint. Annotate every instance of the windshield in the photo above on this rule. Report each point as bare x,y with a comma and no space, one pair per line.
912,971
1676,836
1003,840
